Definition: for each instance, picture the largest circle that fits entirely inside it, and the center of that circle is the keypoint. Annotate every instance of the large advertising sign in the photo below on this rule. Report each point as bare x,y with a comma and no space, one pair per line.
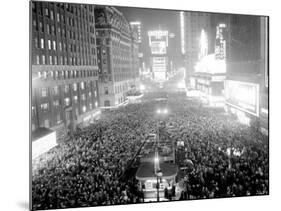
158,36
158,47
243,95
220,46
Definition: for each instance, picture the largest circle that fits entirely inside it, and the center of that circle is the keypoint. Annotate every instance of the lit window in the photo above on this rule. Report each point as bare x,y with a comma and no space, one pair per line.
58,17
43,59
84,108
82,85
90,94
75,87
83,97
55,60
44,106
60,46
42,43
67,101
96,104
49,44
52,14
54,44
46,11
75,98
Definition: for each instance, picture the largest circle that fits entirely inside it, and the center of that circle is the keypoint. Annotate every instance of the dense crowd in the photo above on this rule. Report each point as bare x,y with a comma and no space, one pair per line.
87,169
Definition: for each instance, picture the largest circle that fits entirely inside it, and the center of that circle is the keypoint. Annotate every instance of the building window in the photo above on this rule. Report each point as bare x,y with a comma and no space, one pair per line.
56,103
52,15
42,43
51,60
67,101
58,17
60,46
36,42
74,87
90,105
54,44
56,90
84,109
83,97
96,104
44,106
75,98
55,60
90,94
43,59
66,88
106,90
82,85
46,12
49,44
44,92
37,59
48,28
61,60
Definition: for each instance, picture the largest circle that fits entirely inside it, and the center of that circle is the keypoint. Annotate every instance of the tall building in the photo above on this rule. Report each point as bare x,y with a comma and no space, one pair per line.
64,65
158,42
192,24
247,70
136,28
117,49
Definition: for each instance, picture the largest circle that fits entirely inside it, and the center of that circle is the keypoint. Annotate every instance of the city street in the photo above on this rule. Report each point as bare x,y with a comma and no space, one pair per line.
104,151
134,105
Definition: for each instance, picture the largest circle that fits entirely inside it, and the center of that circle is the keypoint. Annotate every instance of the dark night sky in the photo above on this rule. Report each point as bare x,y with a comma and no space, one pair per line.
152,19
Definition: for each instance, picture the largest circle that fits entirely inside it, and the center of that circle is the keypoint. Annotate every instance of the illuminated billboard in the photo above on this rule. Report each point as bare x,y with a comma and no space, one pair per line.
243,95
158,47
158,36
220,46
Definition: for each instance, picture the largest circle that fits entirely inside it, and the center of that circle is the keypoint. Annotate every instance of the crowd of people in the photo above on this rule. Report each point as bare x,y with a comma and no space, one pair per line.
87,169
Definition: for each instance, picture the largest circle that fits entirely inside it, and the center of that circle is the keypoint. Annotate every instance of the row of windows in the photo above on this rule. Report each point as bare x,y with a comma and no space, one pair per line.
46,122
66,89
77,10
61,46
67,74
60,60
44,107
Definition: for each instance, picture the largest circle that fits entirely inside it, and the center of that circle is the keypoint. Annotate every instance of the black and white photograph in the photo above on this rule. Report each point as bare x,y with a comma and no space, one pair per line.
135,105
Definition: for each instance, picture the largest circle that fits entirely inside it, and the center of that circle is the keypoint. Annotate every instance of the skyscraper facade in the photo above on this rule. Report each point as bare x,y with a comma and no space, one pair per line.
117,50
63,65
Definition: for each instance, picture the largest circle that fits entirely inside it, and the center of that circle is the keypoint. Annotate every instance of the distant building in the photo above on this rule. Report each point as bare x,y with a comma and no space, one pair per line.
192,24
63,65
136,28
247,70
159,61
117,49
